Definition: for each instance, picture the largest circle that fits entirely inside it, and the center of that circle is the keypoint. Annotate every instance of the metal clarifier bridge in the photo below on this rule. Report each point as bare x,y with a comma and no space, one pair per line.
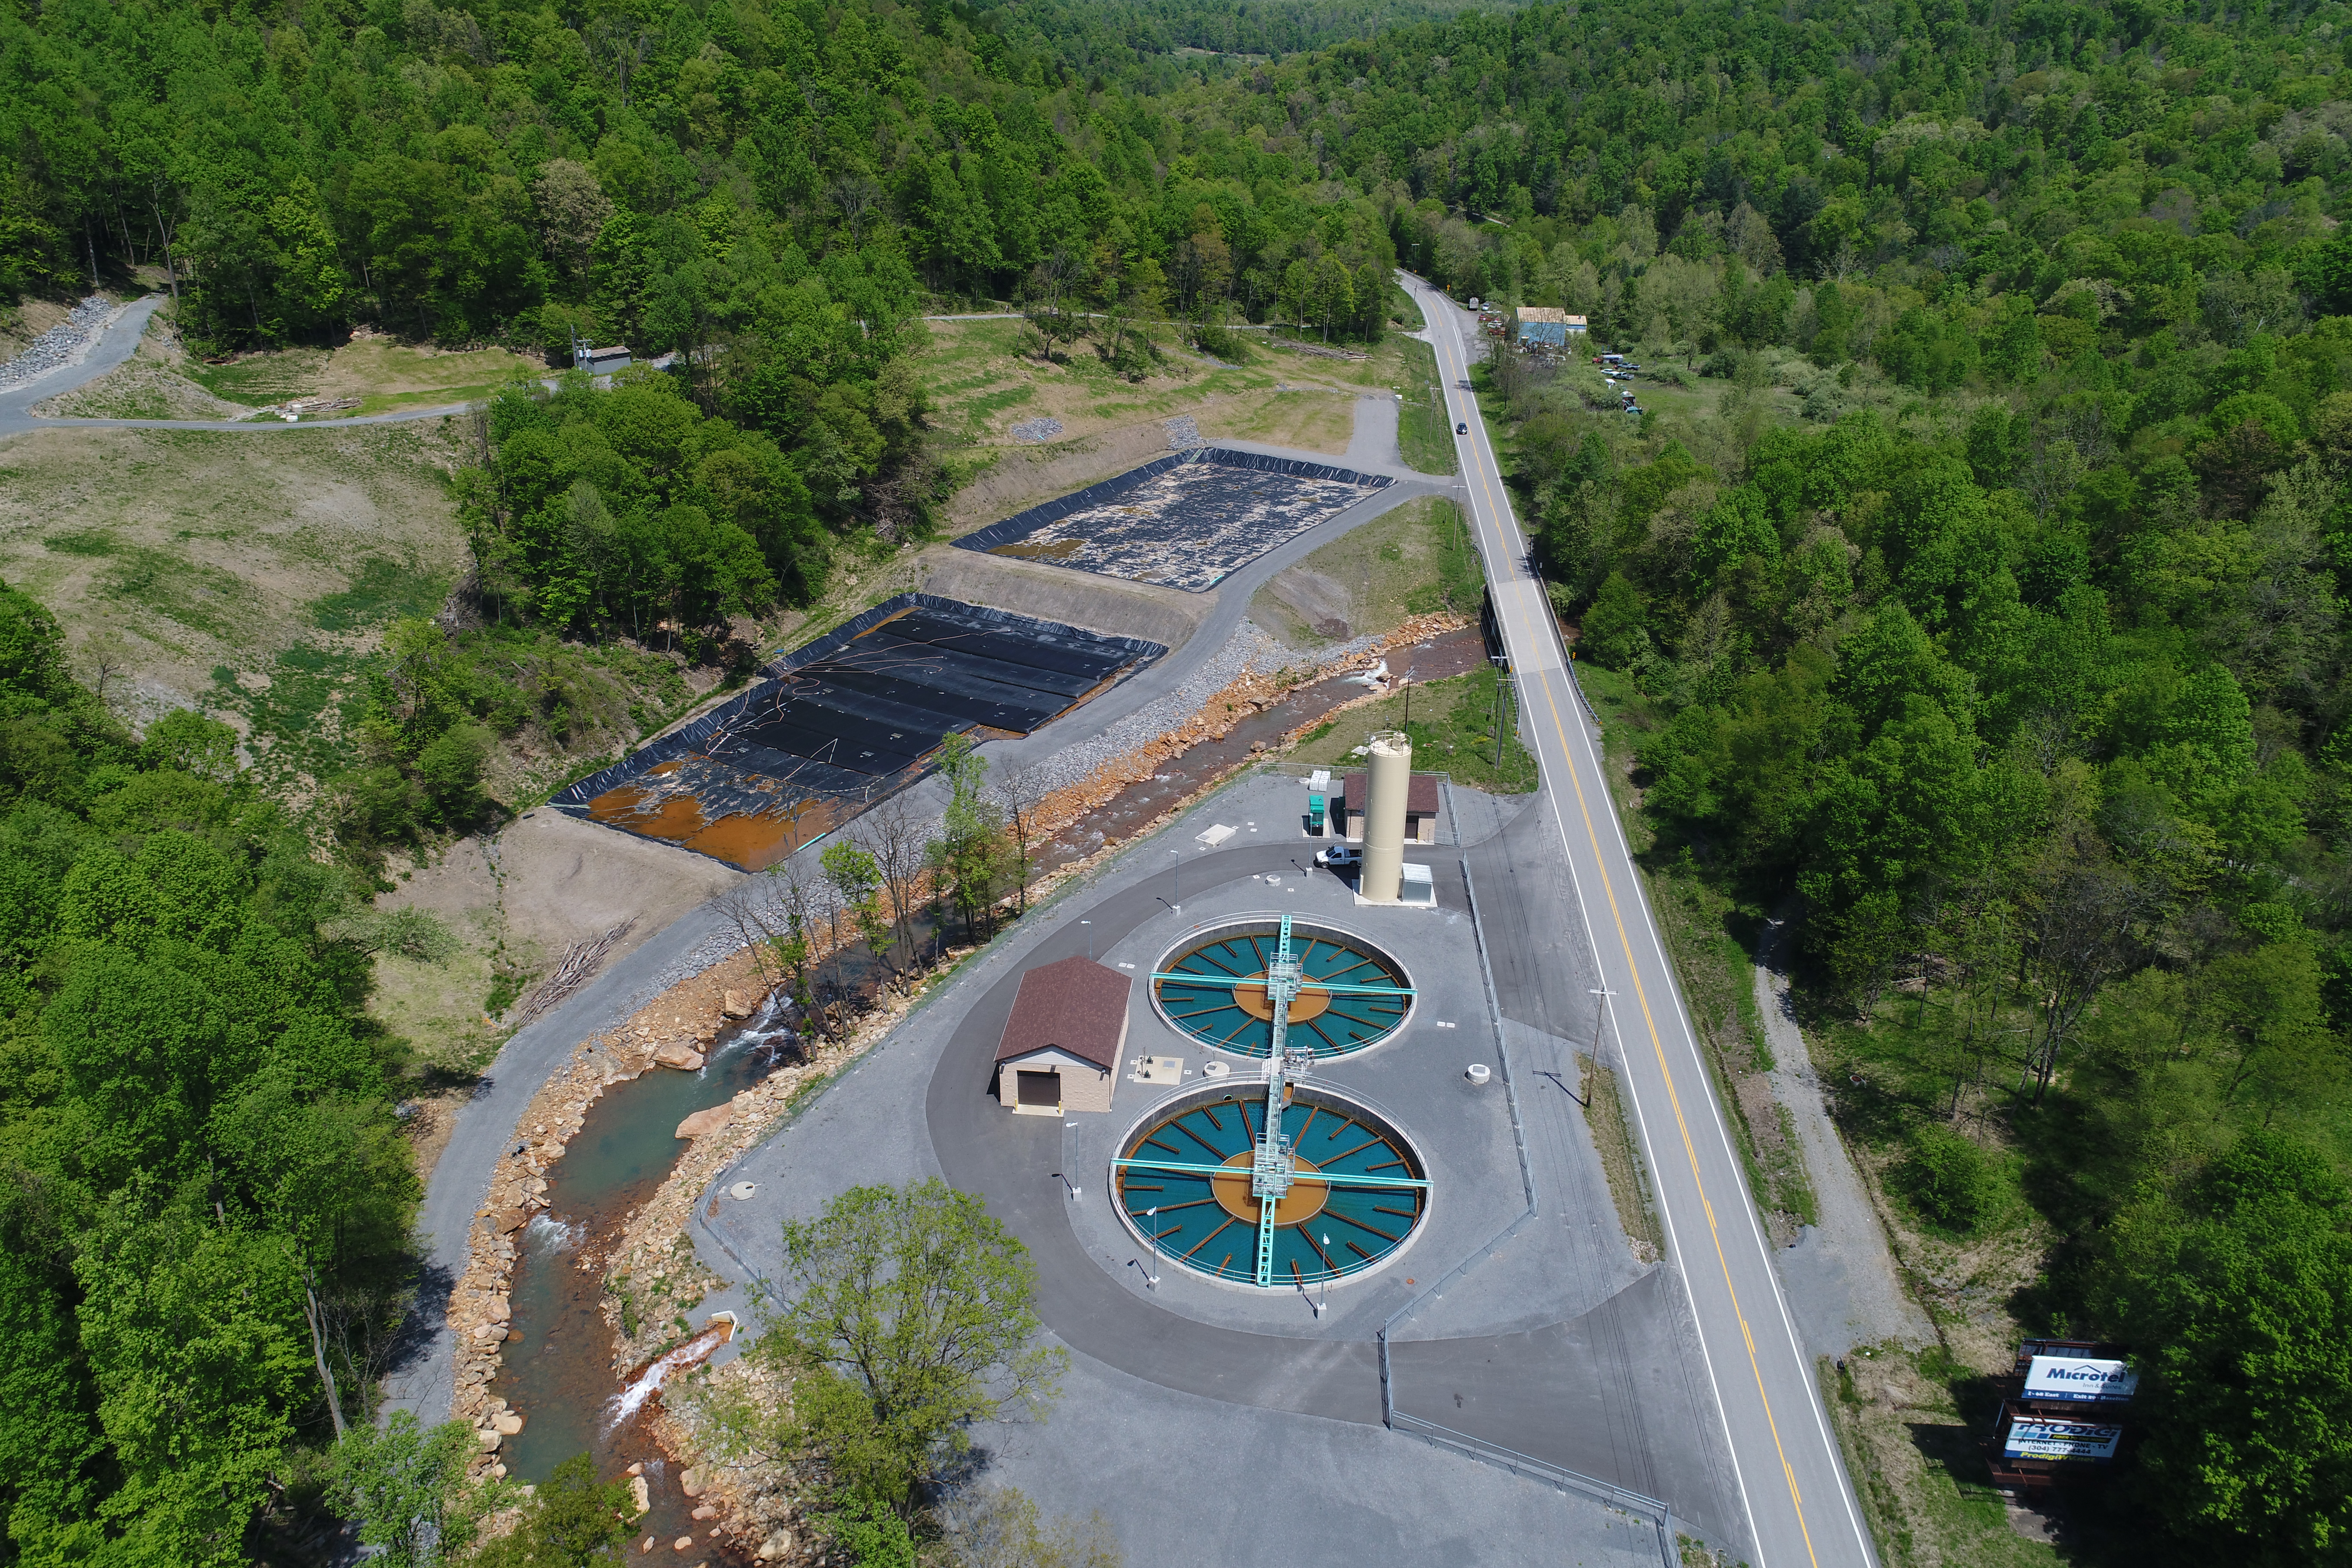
1274,1169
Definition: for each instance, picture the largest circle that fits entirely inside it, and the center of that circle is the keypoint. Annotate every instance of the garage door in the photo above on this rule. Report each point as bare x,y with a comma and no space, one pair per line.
1041,1088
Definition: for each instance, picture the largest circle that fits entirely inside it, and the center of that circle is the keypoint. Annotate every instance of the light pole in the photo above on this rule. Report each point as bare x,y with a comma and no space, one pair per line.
1076,1194
1091,940
1179,905
1326,1276
1152,1279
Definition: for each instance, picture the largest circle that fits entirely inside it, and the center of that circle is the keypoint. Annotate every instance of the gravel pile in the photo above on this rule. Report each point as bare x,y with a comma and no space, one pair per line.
1183,434
1249,648
1036,430
60,344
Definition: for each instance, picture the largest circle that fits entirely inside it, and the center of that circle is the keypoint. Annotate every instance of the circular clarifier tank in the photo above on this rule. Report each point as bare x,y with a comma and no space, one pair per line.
1212,987
1355,1192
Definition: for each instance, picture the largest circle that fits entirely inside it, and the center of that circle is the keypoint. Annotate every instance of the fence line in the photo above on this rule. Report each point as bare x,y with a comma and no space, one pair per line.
1605,1492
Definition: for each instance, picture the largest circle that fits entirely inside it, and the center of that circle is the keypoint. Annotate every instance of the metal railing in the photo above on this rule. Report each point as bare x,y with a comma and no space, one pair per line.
1606,1493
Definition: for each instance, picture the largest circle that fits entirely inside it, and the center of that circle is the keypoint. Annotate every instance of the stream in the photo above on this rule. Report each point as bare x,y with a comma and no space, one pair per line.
558,1375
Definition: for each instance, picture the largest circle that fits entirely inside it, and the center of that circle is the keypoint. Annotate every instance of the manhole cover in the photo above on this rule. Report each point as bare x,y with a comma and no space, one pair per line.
742,1190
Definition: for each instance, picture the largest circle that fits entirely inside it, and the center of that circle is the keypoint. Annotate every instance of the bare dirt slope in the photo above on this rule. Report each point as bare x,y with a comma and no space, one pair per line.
516,903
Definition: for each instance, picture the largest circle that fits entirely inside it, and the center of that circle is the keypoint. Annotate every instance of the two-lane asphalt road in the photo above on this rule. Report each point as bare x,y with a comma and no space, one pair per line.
1798,1502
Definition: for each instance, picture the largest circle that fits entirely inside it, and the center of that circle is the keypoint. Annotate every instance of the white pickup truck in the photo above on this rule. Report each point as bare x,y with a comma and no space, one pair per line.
1339,857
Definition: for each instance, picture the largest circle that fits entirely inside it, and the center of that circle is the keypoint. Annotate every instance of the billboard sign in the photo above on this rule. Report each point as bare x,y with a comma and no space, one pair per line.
2050,1437
2063,1377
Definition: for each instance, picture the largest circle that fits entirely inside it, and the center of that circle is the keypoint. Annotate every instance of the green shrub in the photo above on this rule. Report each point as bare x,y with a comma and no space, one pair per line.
1219,342
1950,1180
869,1534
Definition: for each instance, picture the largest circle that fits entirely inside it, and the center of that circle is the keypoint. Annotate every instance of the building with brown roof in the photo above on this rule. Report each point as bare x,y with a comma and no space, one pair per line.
1420,807
1061,1046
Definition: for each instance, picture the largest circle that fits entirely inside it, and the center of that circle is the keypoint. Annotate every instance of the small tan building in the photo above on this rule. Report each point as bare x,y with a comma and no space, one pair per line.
1420,807
1061,1047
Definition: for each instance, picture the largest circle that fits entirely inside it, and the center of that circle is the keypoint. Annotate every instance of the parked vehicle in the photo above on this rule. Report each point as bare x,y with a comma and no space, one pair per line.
1340,856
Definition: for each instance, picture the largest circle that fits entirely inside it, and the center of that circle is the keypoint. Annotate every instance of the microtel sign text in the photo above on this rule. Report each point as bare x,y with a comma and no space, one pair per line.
2059,1377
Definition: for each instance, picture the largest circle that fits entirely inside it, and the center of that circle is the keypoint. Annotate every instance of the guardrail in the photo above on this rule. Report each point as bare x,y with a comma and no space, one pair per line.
1603,1492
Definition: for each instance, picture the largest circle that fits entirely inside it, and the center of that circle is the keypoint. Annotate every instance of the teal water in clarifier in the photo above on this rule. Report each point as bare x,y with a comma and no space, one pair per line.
558,1375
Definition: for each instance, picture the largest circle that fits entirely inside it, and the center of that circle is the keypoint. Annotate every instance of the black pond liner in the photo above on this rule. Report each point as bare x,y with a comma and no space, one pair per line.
1195,541
850,717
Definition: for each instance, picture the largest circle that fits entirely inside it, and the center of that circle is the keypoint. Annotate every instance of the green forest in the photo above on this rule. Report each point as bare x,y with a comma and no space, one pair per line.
1980,560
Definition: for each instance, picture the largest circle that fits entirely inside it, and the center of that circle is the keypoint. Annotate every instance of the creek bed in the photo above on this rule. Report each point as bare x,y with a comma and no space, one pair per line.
560,1373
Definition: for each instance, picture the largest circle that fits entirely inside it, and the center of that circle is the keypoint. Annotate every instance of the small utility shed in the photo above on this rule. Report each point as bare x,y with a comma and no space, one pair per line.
1420,807
1061,1047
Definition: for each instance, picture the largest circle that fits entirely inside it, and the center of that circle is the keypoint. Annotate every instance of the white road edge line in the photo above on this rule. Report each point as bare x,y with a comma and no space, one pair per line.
1499,505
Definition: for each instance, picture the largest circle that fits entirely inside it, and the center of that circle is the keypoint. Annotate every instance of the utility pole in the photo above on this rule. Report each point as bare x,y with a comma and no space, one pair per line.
1502,664
1600,1016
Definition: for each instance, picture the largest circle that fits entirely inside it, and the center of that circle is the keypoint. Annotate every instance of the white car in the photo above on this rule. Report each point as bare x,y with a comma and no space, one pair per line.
1341,856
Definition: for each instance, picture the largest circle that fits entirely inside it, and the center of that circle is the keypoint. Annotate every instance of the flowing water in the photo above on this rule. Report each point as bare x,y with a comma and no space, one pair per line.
560,1375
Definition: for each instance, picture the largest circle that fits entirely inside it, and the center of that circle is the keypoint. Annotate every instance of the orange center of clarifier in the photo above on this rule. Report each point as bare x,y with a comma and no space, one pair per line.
1302,1203
1312,1001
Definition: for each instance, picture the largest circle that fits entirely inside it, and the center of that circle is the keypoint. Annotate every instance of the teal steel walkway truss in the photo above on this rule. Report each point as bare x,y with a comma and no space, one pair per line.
1273,1166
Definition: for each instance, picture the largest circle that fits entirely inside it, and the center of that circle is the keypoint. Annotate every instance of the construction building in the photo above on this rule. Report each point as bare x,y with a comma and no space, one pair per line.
1420,807
1545,326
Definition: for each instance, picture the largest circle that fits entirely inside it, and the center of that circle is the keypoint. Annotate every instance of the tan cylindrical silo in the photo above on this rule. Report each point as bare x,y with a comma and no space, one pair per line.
1388,776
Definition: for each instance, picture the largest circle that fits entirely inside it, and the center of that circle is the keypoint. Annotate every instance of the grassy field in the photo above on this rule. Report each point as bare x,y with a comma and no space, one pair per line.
1407,367
1424,434
1452,729
161,382
382,374
1410,561
1314,420
980,383
252,576
245,574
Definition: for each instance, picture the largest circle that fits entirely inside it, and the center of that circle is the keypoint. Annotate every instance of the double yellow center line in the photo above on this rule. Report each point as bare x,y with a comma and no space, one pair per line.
1502,552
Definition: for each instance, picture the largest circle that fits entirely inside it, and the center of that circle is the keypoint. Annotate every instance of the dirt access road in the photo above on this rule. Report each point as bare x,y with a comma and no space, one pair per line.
116,343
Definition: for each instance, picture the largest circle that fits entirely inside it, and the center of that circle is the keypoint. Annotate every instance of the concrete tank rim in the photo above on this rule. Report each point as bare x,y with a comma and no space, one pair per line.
1272,920
1170,1106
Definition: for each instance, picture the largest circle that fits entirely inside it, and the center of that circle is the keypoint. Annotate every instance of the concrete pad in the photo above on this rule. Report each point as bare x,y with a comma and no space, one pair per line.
1180,1478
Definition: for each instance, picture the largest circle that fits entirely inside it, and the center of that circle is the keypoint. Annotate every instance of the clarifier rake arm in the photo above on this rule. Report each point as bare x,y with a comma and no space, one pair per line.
1303,985
1328,1178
